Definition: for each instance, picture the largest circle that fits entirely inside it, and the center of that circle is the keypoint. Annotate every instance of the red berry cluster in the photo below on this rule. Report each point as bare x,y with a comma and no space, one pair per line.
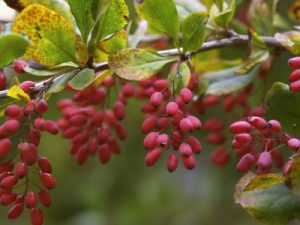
168,124
257,143
19,139
89,124
294,77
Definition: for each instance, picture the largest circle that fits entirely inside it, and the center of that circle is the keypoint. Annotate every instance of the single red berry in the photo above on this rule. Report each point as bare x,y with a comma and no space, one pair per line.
294,63
29,153
186,125
185,150
264,162
128,90
15,211
21,170
5,146
257,122
8,182
13,111
195,121
41,106
163,140
172,108
82,155
48,180
19,65
195,144
156,99
213,124
245,163
220,157
215,138
240,127
44,164
26,86
172,162
186,95
293,144
113,146
36,216
274,126
119,110
7,198
30,200
243,138
40,124
189,162
295,86
51,127
45,197
10,127
120,131
152,157
104,154
150,141
295,75
160,85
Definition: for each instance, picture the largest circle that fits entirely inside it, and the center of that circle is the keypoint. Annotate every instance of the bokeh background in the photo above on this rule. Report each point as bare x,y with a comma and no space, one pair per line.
126,192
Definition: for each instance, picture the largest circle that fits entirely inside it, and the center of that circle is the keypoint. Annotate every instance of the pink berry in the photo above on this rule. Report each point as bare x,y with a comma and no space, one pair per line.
240,127
258,122
172,162
171,108
294,144
295,86
195,144
245,163
119,110
264,162
186,95
41,106
294,63
152,157
156,99
150,140
295,75
274,126
36,216
220,157
189,162
185,150
186,125
48,180
5,146
243,138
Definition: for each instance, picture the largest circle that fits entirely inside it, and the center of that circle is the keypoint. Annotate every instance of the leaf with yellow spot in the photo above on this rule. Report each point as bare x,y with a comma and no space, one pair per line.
53,38
115,43
100,56
82,51
17,93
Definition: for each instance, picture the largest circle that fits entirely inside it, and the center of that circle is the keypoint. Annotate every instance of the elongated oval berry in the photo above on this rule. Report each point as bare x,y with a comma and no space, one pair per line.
245,163
128,90
150,141
264,162
148,124
172,108
160,85
294,62
21,170
30,200
119,110
44,164
189,162
295,86
186,125
82,155
40,124
215,138
172,162
185,150
13,111
213,124
29,153
7,198
152,157
5,146
36,216
41,106
8,182
19,65
45,197
10,127
78,120
120,131
294,144
220,157
195,121
186,95
113,146
240,127
104,154
51,127
195,144
295,75
274,126
48,180
156,99
243,138
15,211
257,122
26,86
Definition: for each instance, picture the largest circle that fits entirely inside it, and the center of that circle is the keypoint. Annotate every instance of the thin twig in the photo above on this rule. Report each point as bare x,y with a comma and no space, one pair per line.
225,42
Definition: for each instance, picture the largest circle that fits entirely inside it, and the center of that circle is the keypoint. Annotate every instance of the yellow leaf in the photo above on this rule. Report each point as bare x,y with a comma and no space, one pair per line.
17,93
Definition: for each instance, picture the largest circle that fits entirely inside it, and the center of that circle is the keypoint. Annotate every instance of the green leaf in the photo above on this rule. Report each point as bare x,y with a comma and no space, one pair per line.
12,46
226,81
180,79
42,73
110,17
60,83
193,30
160,14
137,64
115,43
185,8
81,10
82,79
282,105
252,62
53,38
223,18
293,177
267,199
219,4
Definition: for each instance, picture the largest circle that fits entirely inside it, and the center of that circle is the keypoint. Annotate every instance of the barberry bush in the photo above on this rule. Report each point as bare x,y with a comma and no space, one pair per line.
202,72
